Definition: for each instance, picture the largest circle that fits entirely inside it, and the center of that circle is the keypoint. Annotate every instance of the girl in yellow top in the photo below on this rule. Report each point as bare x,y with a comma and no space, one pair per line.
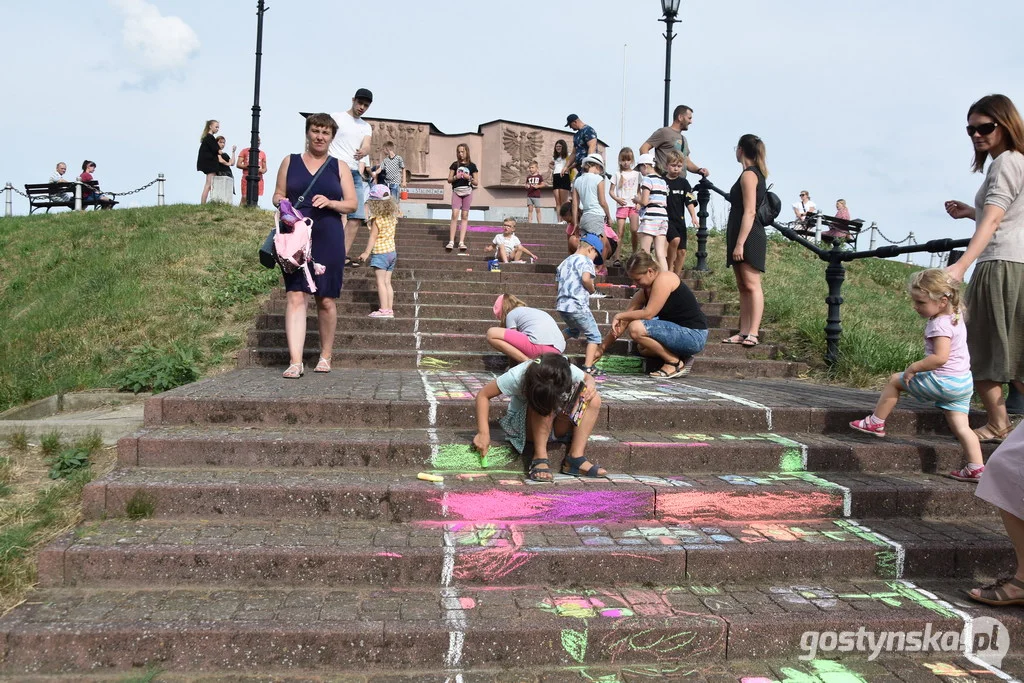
382,217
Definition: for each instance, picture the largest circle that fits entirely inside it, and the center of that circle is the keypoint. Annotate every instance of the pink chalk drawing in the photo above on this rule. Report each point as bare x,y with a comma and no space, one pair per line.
388,554
467,603
485,558
665,444
691,506
549,506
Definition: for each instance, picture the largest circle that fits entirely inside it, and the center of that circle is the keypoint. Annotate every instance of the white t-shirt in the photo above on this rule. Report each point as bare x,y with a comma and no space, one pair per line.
559,165
805,207
627,184
510,243
351,132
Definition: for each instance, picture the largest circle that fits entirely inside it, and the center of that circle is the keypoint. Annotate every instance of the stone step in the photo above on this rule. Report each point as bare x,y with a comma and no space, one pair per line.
210,629
372,398
505,496
273,552
540,292
635,452
731,367
613,302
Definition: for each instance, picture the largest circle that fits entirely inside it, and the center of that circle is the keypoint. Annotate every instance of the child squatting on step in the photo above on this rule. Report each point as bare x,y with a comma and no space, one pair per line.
943,376
540,389
525,332
382,217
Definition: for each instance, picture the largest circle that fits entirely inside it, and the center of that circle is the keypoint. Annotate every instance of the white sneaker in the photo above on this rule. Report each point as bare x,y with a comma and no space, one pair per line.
598,295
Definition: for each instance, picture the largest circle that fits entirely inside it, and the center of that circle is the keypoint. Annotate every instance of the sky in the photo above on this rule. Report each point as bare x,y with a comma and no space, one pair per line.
866,101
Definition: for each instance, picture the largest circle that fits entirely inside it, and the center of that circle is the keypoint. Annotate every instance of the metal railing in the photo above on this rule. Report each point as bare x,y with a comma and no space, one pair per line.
835,256
159,181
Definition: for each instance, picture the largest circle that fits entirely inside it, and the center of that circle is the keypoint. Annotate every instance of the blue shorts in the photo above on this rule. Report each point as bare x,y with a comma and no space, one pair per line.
395,190
360,212
680,340
581,322
946,392
384,261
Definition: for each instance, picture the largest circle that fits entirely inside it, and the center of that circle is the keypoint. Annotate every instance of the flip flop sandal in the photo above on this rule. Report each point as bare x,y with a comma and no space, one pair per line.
659,374
750,341
571,467
537,472
681,370
294,371
995,594
989,434
323,366
734,339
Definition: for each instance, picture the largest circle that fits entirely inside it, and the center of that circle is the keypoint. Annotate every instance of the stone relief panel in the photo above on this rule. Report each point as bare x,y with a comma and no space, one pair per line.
412,143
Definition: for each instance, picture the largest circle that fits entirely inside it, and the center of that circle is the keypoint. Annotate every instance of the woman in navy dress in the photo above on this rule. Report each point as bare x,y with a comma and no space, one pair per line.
333,194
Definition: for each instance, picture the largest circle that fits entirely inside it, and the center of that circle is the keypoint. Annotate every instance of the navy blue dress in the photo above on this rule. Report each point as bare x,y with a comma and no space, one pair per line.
328,232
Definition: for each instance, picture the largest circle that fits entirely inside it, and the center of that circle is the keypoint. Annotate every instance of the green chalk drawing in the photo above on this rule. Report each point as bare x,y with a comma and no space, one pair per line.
437,363
885,556
575,643
601,678
461,457
791,461
659,647
693,437
915,595
621,365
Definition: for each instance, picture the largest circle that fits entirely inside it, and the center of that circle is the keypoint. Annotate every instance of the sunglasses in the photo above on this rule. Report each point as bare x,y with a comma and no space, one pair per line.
983,129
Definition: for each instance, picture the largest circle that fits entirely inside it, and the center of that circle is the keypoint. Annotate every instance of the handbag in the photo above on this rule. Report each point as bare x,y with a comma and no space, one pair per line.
267,254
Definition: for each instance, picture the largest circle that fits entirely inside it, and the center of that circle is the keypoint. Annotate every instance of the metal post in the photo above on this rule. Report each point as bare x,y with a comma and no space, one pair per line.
835,274
78,195
8,203
159,189
817,227
910,240
252,177
703,199
874,229
669,19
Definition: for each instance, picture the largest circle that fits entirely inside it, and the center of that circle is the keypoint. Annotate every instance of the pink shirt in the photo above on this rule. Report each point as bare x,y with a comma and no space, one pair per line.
959,362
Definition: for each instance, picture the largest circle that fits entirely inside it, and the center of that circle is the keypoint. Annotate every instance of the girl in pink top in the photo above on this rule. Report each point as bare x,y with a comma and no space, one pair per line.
943,376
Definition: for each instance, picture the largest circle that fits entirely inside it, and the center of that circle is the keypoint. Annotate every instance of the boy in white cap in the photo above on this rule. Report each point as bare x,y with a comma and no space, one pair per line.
589,204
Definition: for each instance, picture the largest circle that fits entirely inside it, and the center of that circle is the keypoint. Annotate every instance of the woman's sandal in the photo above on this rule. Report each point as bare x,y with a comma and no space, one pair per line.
996,594
679,370
294,371
989,434
734,339
324,365
538,473
572,467
750,341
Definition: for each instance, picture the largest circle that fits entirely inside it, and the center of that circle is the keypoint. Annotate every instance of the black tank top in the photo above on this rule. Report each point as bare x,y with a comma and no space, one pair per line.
681,308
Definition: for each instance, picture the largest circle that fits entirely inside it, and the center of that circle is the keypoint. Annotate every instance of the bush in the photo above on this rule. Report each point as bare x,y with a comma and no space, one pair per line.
153,369
68,462
51,443
18,440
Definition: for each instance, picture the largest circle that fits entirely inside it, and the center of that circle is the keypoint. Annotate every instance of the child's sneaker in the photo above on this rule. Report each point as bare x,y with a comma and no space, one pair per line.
598,295
383,313
869,427
970,472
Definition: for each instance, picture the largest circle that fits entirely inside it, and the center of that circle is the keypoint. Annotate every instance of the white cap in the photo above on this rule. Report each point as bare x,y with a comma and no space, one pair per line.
593,159
645,159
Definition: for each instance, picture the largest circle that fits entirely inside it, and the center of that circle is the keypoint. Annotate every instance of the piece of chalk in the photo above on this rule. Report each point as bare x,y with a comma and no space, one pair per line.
471,475
426,476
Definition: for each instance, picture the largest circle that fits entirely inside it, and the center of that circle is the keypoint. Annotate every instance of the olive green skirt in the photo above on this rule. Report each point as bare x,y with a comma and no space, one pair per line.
995,321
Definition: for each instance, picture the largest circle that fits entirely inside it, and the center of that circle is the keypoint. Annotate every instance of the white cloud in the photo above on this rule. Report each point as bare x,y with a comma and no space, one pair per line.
163,45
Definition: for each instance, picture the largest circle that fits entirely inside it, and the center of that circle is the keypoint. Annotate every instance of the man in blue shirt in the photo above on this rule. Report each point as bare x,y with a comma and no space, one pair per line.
584,142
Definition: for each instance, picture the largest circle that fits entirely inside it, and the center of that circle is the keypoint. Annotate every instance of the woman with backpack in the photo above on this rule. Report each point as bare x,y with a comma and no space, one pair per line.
746,242
315,185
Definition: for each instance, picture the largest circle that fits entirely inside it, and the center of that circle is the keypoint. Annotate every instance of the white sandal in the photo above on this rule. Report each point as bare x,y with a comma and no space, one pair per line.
323,366
294,371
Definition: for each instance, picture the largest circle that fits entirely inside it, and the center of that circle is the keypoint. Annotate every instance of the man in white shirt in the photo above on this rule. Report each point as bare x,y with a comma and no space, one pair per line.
804,206
350,144
58,177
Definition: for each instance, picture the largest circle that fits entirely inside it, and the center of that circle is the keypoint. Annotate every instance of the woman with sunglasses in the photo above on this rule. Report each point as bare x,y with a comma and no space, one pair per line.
995,313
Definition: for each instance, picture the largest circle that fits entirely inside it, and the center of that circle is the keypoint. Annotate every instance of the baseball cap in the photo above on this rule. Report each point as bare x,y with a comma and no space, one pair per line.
570,118
594,241
593,159
363,94
380,192
497,305
645,159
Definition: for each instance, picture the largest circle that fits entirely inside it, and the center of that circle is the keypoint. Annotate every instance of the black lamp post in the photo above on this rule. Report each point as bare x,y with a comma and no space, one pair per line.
669,9
252,176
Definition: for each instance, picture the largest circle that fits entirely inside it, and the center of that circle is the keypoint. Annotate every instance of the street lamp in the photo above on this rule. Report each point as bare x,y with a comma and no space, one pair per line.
252,175
669,9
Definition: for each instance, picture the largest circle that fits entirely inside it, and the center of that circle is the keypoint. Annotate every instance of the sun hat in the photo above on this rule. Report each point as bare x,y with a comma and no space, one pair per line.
594,241
593,159
497,306
645,159
380,192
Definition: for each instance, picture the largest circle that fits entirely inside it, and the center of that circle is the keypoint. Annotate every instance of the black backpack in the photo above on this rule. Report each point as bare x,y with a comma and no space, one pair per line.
770,208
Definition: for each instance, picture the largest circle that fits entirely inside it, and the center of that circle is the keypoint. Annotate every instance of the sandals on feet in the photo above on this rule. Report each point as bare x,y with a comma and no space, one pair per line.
680,369
450,245
989,434
462,246
996,593
540,470
734,339
573,467
324,365
294,371
750,340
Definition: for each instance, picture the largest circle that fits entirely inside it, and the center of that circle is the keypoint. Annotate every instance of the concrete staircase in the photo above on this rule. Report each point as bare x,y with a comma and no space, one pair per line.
281,532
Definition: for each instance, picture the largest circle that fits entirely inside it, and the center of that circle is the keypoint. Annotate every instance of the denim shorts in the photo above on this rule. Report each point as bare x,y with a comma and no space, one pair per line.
384,261
681,341
581,322
395,190
360,212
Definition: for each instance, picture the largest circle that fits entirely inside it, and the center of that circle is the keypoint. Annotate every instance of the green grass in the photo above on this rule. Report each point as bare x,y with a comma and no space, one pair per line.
79,292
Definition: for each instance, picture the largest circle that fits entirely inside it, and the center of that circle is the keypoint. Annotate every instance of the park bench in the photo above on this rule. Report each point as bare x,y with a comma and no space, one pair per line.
834,229
48,196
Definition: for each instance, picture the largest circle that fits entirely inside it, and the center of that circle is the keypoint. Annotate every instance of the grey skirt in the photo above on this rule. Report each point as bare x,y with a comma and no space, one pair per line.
1002,482
995,321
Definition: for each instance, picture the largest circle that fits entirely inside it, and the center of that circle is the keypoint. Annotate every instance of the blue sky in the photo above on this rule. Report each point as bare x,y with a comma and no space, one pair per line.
865,100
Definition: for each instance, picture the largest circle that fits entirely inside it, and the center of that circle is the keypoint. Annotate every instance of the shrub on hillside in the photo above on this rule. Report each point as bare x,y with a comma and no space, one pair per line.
149,368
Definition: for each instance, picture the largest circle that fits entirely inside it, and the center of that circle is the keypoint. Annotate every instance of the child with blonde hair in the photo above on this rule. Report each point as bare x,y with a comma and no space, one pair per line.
525,332
943,376
382,217
506,247
625,186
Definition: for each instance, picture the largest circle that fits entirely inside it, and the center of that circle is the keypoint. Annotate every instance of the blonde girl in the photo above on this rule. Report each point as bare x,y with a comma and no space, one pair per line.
208,161
943,376
382,217
525,332
625,185
463,176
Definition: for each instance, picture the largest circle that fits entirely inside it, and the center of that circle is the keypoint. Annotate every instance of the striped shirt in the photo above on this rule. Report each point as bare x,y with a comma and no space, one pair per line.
385,243
657,206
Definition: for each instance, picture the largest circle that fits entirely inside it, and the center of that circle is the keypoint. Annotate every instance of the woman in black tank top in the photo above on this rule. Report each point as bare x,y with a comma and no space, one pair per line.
746,243
663,318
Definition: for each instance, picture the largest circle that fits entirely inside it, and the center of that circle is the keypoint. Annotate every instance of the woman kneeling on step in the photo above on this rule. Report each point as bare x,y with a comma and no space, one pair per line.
664,318
537,415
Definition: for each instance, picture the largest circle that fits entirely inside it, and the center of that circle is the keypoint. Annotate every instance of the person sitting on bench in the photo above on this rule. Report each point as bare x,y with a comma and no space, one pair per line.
58,177
91,191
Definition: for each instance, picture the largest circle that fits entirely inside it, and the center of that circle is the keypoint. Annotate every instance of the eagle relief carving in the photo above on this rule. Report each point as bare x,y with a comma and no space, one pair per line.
522,146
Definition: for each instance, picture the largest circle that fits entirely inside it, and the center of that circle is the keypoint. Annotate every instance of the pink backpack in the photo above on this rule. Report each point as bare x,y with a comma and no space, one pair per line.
293,243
